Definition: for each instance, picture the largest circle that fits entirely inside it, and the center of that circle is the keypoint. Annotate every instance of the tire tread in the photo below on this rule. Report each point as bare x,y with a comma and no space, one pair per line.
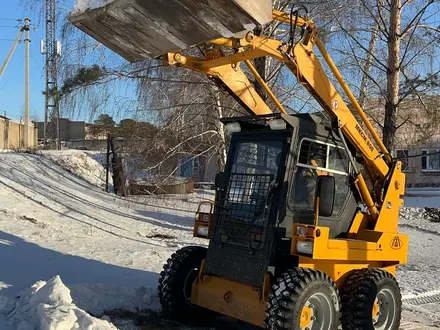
286,291
356,296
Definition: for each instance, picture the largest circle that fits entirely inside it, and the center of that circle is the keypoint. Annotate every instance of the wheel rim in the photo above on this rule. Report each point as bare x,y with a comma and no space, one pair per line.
386,310
187,287
306,316
317,313
376,310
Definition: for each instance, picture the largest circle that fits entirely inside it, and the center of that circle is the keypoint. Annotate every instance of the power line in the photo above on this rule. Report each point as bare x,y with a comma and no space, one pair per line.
9,19
11,75
8,26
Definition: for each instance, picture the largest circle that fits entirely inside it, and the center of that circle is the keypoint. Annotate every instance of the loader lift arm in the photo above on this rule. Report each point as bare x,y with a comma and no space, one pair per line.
306,67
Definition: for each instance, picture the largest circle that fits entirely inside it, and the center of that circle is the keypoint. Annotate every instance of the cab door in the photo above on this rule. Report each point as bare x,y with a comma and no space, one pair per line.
245,211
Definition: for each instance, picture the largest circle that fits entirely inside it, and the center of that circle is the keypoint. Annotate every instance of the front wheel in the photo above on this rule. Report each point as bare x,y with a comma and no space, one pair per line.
303,299
175,286
371,300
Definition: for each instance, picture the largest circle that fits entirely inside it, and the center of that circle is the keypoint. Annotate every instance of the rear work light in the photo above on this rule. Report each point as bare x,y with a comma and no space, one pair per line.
305,231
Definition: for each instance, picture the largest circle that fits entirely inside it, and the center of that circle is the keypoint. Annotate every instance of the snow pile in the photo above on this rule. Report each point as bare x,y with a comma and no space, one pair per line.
81,6
48,306
420,219
88,165
99,298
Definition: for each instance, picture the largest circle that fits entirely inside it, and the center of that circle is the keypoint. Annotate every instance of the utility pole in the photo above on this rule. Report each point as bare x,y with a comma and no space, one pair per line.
51,48
26,28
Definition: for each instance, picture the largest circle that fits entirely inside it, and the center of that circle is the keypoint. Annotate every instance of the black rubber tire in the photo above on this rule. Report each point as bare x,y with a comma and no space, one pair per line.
359,295
290,293
177,276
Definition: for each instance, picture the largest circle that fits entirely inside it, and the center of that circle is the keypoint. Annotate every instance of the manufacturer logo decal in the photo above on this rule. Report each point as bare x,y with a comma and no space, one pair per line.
396,243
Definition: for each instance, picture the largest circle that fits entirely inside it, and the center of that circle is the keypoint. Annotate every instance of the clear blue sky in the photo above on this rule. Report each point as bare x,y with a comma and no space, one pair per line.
12,81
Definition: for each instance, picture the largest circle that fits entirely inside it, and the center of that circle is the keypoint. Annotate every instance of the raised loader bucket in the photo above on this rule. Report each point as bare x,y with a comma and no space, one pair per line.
139,29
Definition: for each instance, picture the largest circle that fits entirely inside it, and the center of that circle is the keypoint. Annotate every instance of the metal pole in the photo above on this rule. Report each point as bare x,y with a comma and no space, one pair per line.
26,82
107,167
51,111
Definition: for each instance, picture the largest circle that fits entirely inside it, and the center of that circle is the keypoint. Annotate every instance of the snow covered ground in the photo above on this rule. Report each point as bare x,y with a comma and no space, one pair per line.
108,251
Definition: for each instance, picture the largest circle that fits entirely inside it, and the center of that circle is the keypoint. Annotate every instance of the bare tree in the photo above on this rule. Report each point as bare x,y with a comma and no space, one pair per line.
393,60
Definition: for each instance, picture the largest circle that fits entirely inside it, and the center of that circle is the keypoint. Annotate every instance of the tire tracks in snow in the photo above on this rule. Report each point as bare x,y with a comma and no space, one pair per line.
418,228
423,298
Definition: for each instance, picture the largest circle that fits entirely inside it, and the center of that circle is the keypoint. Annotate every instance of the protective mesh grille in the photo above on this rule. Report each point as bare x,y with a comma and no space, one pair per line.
243,217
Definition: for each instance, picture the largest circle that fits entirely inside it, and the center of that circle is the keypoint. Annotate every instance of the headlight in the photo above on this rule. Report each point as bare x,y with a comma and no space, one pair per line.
305,247
233,128
202,231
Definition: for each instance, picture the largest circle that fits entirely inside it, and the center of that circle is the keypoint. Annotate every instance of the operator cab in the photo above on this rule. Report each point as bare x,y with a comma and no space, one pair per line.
269,184
288,152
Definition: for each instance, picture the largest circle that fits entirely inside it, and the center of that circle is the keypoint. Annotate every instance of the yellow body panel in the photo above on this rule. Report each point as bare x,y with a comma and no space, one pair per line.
238,300
339,272
374,246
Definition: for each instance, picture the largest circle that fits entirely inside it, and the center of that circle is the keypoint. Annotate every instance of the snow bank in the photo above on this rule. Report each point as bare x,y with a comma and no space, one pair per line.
82,5
88,165
419,219
99,298
48,306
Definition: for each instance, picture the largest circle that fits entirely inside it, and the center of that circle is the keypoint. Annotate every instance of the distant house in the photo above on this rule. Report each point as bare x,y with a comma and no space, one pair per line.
69,130
417,142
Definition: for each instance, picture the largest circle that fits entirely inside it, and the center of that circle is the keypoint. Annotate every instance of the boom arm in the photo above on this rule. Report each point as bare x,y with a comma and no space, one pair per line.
306,67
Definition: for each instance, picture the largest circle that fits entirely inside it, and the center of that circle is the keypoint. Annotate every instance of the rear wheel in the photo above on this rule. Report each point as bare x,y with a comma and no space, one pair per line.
175,286
303,299
371,300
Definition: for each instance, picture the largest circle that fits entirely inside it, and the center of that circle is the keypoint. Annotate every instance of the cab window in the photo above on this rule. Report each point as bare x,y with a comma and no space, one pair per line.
318,158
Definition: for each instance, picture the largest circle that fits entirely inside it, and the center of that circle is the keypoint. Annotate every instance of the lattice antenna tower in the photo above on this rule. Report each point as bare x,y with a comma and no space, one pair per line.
51,48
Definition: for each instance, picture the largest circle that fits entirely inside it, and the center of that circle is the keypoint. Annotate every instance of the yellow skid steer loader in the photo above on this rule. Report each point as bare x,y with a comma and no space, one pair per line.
298,239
